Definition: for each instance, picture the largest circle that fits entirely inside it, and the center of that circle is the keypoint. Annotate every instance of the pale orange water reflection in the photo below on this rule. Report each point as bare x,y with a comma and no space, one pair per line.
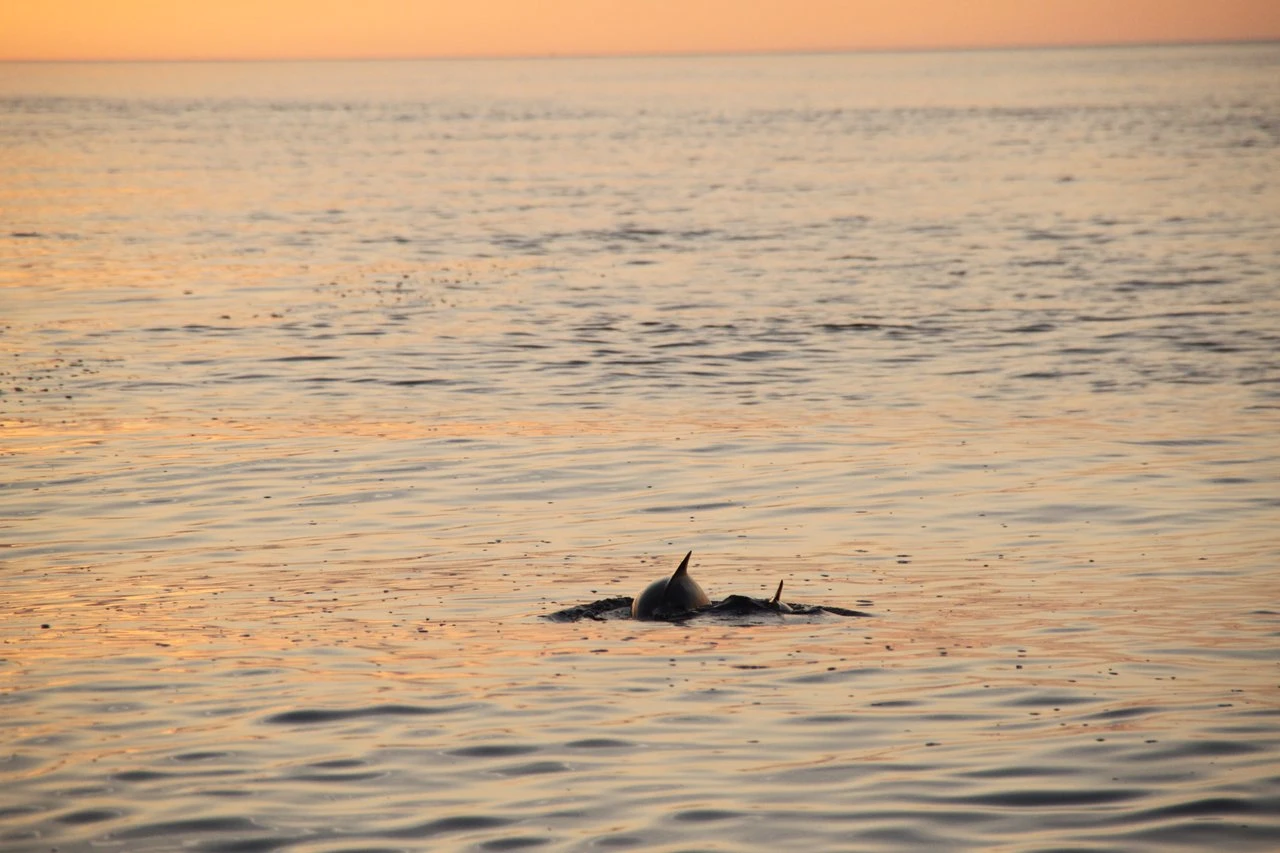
953,672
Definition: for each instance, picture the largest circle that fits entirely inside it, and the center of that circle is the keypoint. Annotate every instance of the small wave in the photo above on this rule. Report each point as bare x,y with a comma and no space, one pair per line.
1125,713
1178,442
1050,374
599,743
516,842
180,828
201,328
1055,700
1048,798
493,750
706,815
1203,832
87,816
1208,807
291,358
446,825
1139,284
140,776
338,763
200,756
1201,749
533,768
249,845
338,778
1017,772
859,327
691,507
310,716
822,719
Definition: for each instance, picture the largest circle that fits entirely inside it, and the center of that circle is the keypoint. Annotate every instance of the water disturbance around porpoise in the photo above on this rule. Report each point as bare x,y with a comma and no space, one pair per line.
680,598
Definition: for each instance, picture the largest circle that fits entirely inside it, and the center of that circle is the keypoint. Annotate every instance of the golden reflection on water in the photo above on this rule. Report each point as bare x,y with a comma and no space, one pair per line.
1084,616
957,670
65,435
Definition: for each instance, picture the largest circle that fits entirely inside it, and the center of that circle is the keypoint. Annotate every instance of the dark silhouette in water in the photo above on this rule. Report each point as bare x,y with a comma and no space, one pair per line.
679,598
676,594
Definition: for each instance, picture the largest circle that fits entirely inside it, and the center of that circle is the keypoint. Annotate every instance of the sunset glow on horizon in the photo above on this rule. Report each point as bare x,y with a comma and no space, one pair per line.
337,29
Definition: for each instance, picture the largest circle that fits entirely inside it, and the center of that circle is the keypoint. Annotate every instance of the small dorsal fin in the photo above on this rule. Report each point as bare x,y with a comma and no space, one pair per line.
777,596
684,566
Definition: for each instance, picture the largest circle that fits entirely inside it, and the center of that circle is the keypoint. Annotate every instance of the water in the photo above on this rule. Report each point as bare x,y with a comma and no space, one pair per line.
322,382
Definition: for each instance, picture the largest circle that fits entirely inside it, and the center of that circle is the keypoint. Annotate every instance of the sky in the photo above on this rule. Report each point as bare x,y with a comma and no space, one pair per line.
323,29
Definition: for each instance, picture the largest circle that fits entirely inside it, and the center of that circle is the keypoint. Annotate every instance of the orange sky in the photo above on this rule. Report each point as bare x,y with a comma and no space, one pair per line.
288,29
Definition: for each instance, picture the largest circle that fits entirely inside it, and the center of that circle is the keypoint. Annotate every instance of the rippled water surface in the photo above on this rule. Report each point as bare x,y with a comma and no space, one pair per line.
320,384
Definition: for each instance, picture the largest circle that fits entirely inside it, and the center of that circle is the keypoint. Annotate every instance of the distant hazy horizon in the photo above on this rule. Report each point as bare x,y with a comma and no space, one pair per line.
691,54
241,30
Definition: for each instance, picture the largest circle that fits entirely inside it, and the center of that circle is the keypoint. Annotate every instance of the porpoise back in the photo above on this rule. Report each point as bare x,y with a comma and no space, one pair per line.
676,594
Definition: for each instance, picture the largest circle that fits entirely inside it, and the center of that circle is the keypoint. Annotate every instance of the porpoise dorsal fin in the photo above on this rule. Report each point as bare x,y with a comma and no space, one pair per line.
684,567
670,596
777,596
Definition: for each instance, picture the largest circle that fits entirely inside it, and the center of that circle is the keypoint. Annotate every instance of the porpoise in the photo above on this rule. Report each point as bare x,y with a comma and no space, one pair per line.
676,594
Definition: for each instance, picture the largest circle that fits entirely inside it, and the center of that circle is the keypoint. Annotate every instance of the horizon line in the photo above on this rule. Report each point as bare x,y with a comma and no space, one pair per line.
675,54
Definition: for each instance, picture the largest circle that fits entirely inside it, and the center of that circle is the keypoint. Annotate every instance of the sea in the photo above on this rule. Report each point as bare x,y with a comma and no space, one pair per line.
323,384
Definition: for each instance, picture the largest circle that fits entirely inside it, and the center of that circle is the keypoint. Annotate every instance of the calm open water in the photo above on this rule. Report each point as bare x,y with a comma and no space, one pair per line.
322,382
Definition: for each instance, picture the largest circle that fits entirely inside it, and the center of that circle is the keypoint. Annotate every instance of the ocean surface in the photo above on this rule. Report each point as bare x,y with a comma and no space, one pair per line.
321,384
